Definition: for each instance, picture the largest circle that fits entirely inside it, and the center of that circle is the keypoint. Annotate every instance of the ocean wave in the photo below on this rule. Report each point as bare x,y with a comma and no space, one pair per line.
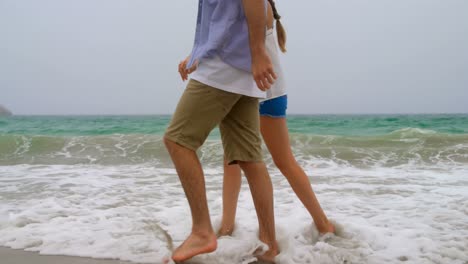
107,149
403,146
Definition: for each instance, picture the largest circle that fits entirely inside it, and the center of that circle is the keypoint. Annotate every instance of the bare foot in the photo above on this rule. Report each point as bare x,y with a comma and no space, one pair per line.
225,231
194,245
165,260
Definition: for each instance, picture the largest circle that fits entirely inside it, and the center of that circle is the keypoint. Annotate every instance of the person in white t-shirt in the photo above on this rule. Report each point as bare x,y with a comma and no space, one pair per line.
275,134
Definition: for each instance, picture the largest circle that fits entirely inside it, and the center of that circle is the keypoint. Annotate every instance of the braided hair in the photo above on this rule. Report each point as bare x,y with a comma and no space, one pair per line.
280,32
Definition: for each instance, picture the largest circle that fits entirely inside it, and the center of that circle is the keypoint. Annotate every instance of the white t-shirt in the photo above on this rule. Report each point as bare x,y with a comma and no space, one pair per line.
278,88
218,74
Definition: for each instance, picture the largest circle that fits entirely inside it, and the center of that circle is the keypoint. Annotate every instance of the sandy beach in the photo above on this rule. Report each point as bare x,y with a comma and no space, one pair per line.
13,256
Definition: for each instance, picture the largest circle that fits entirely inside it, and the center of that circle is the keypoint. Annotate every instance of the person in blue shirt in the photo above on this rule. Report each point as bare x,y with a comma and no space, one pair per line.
233,70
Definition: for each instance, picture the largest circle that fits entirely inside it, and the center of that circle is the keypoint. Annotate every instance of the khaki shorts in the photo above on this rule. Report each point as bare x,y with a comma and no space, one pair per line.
201,108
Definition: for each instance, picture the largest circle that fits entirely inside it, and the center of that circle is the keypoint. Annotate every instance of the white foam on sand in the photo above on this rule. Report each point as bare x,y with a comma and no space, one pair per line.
383,215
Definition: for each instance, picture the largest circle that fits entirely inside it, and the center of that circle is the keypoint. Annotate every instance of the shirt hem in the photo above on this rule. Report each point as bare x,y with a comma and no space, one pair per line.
220,87
273,97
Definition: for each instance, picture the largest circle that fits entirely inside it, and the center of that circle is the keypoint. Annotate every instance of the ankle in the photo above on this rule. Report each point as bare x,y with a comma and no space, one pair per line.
272,244
203,233
225,231
272,252
325,227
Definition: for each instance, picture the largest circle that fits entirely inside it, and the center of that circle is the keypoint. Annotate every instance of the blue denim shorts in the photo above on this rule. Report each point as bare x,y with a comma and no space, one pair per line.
275,107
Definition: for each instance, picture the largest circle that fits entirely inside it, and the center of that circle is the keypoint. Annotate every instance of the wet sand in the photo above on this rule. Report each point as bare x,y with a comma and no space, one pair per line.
13,256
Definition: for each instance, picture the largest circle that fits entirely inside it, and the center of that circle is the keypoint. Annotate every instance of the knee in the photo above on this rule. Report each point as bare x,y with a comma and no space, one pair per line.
170,145
249,166
174,147
243,164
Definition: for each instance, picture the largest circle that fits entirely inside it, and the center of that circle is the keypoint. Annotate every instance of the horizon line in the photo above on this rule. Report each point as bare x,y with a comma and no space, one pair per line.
289,114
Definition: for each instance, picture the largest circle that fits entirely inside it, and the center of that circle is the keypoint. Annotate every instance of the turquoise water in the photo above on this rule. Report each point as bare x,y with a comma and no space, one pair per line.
358,140
349,125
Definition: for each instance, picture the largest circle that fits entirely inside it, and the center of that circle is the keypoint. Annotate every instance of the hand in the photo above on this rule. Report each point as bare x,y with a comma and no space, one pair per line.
183,71
262,70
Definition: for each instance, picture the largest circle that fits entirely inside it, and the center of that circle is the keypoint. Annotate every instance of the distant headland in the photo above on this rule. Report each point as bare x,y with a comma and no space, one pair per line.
4,111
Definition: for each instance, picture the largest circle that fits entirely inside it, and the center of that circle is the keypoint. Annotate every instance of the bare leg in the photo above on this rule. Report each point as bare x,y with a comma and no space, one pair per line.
202,238
262,194
275,134
231,187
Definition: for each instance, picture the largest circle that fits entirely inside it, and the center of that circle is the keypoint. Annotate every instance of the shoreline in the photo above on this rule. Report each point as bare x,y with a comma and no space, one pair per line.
19,256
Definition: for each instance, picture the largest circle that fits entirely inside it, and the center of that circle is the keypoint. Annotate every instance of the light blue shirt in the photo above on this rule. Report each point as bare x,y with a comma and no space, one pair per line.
222,30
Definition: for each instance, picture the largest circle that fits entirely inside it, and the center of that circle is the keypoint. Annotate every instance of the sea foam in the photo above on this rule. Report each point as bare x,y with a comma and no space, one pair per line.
383,215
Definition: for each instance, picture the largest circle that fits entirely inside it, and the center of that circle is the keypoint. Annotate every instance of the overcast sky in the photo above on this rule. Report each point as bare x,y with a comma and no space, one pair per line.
344,56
